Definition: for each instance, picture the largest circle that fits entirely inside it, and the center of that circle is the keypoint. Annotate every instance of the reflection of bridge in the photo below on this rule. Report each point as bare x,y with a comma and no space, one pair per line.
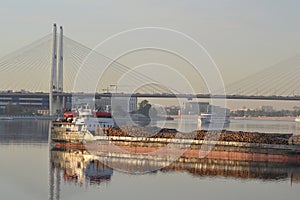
278,82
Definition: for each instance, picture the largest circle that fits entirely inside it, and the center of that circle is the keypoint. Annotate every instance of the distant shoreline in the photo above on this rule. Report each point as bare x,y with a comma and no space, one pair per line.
12,117
262,118
290,119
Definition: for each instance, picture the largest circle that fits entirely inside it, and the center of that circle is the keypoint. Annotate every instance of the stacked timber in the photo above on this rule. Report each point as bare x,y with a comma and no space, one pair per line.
248,137
224,135
295,140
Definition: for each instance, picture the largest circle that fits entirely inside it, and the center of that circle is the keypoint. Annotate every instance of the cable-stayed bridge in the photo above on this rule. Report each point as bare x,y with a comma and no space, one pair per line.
53,62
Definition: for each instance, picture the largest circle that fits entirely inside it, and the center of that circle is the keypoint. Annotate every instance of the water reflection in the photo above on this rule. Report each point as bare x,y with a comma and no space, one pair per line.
24,131
75,172
80,167
77,167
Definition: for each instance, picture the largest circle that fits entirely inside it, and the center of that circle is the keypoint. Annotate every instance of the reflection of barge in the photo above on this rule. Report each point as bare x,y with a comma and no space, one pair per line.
80,167
68,160
241,142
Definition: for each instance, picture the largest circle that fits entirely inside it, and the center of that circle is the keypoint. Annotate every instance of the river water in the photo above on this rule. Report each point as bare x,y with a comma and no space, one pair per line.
31,170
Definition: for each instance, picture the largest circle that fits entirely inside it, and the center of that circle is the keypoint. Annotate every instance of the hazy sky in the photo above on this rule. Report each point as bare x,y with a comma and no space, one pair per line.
242,36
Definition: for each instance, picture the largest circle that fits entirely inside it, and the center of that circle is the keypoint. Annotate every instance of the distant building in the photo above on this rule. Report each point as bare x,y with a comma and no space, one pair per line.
17,103
24,102
43,112
39,102
127,104
196,108
172,110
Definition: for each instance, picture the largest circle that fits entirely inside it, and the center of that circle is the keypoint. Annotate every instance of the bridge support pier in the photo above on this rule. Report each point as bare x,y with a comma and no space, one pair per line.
56,80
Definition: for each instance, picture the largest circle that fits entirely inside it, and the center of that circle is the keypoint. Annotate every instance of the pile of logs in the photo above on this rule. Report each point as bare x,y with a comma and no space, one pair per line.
249,137
130,131
295,140
230,136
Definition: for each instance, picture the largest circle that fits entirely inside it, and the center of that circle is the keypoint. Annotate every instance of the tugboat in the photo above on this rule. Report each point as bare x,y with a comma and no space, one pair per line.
81,125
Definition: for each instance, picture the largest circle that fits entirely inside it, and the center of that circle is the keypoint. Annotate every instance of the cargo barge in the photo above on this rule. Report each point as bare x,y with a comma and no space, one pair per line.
94,133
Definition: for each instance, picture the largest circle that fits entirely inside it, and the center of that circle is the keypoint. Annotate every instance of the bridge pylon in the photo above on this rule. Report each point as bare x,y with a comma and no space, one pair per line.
56,80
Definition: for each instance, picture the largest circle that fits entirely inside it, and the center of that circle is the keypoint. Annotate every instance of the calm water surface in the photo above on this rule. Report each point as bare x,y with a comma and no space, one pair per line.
29,169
